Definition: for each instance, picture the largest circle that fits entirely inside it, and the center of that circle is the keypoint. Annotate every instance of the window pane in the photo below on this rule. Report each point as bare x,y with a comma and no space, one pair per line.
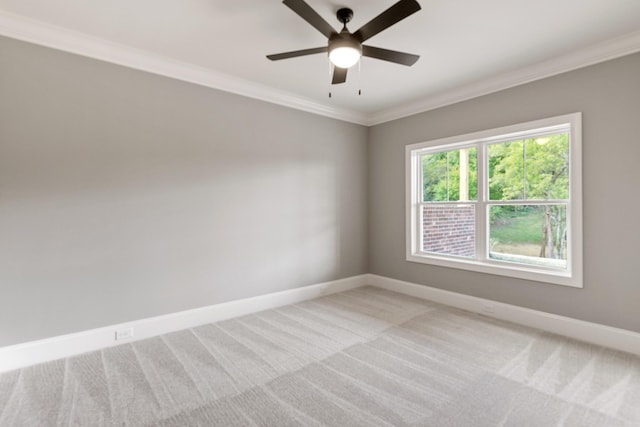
506,171
547,167
533,168
449,229
529,234
450,175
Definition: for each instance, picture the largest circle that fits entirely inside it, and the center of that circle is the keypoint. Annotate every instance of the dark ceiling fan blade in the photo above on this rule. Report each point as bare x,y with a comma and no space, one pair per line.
339,75
390,55
389,17
296,53
311,16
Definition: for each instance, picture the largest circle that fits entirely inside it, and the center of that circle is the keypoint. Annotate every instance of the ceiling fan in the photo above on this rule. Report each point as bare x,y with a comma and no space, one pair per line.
346,48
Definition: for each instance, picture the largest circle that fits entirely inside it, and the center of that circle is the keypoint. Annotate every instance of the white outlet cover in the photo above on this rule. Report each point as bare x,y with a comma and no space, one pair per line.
124,334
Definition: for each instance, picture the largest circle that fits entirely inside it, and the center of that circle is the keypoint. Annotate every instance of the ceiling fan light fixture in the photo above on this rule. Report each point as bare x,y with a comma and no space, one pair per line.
344,51
344,57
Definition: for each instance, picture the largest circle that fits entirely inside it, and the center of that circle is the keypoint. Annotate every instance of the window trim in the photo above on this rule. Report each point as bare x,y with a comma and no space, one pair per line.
573,275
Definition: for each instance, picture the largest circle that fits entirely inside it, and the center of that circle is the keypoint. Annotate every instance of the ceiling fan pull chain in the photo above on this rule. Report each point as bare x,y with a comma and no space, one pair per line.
359,74
330,74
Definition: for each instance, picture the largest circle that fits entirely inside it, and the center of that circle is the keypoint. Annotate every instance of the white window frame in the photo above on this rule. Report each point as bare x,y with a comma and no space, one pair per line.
572,275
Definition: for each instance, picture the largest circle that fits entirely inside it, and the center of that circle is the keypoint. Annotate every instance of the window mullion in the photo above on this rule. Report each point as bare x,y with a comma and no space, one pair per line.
481,205
419,199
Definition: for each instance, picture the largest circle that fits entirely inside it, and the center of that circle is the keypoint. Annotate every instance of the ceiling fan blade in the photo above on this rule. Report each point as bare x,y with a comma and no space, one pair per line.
389,17
339,75
390,55
311,16
296,53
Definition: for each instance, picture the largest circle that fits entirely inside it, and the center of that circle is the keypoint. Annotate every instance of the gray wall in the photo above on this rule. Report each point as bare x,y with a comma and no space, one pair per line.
608,94
125,195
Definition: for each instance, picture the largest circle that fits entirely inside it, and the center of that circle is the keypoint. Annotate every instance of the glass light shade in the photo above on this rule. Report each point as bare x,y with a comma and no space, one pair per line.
344,56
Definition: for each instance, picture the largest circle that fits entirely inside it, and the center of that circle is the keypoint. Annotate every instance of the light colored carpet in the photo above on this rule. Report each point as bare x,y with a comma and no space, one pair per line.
366,357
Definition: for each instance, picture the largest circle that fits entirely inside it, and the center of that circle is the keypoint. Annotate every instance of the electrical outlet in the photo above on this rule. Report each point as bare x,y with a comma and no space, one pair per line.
124,334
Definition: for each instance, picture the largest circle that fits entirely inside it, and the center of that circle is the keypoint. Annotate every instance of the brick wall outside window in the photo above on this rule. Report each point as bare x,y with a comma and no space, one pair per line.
449,230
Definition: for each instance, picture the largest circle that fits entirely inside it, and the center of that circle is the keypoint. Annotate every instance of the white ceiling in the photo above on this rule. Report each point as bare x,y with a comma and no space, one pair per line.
467,47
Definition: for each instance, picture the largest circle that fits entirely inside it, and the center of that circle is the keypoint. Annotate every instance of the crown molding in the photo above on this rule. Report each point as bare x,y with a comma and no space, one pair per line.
610,49
21,28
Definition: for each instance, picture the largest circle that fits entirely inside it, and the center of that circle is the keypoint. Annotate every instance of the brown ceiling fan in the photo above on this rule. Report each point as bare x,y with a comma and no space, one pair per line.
346,48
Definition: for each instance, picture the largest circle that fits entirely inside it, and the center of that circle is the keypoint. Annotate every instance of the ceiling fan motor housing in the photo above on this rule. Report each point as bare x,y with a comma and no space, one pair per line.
344,39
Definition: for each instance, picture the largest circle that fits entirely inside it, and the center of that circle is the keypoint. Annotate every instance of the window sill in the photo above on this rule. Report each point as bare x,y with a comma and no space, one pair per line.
555,277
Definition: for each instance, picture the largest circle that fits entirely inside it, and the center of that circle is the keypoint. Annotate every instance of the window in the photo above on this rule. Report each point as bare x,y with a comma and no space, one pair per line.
504,201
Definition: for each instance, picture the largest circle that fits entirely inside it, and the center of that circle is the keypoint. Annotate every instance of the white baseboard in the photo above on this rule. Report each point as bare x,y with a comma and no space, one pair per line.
595,333
31,353
34,352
